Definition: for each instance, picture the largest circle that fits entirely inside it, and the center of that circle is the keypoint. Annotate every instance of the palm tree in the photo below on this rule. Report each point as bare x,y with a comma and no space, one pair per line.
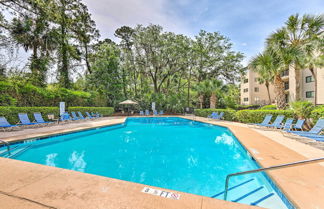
298,33
265,76
203,89
216,87
270,64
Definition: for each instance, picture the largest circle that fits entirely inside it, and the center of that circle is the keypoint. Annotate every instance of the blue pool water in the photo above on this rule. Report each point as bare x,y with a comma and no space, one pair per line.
171,153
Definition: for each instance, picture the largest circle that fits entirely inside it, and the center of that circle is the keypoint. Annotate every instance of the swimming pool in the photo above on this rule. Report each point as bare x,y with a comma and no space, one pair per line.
167,152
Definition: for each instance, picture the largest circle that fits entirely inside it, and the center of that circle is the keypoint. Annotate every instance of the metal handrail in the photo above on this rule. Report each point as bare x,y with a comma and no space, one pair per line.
269,168
7,144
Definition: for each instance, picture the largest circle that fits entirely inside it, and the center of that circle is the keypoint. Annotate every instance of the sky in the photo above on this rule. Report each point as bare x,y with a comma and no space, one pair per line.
246,22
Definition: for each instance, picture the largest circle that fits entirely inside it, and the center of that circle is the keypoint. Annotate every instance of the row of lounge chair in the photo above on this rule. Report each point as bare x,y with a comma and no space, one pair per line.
39,120
147,112
216,116
291,129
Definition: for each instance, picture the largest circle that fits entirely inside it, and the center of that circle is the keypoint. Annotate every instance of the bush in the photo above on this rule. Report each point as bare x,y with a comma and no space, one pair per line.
317,113
228,114
257,116
105,111
302,109
269,107
245,107
11,113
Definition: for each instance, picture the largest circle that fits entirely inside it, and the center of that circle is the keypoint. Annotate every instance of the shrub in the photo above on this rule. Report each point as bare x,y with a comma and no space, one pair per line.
245,107
257,116
269,107
317,113
228,114
11,113
105,111
302,109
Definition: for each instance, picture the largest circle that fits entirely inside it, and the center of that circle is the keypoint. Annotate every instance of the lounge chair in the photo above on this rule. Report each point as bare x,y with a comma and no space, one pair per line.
4,124
155,112
74,116
220,116
147,112
88,115
276,123
66,117
299,125
161,112
39,118
24,120
314,132
141,113
99,115
288,124
265,121
81,116
213,115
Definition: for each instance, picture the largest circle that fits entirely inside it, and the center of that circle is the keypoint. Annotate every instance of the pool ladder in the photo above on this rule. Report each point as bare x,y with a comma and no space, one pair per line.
7,145
297,163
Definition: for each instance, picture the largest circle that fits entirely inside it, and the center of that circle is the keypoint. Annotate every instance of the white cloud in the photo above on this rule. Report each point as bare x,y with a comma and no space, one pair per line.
112,14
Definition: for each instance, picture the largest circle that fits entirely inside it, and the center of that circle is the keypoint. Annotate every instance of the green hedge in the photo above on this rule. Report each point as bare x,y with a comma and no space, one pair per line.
269,107
105,111
11,113
317,113
228,114
257,116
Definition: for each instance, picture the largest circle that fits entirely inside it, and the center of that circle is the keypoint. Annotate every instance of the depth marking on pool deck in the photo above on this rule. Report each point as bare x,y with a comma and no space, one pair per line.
161,193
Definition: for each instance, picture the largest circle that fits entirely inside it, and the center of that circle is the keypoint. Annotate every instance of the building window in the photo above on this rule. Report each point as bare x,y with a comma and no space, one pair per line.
310,94
246,99
256,99
309,79
256,89
246,80
286,85
245,90
285,73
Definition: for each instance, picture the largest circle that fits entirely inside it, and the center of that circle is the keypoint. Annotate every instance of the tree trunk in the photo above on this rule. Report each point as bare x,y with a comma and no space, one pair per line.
268,90
201,100
280,92
213,101
311,69
297,79
188,90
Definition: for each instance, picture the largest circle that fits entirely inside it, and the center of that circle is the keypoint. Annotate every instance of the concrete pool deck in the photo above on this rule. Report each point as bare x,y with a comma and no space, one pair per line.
29,185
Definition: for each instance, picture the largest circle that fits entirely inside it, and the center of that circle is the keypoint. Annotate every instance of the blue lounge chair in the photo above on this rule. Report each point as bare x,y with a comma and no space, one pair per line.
299,125
74,116
99,115
314,132
24,120
4,124
147,112
220,116
276,123
161,112
88,115
265,121
81,116
66,117
214,115
141,113
39,118
155,112
288,124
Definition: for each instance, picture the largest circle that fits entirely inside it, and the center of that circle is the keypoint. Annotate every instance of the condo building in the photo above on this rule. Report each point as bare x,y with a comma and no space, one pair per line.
254,93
